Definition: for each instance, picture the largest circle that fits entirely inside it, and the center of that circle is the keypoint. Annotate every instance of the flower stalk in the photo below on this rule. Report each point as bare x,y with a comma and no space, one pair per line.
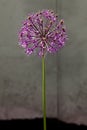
44,92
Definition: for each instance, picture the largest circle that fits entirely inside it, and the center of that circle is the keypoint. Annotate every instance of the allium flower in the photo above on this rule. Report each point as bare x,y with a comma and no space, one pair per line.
42,32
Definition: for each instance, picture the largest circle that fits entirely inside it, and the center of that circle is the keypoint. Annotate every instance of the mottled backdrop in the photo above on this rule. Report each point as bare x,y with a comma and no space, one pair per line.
73,64
20,75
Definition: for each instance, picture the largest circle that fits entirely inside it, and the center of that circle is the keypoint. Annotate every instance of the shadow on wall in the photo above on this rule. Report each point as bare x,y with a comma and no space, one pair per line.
37,123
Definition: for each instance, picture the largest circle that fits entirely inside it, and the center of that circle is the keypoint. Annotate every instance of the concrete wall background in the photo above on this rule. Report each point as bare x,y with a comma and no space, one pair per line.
73,64
20,76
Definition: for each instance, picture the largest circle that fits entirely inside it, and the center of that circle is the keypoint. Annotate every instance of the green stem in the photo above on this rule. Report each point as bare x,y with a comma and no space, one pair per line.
44,92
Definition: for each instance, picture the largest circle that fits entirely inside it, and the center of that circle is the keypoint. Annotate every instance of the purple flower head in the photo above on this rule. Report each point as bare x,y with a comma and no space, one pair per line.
42,32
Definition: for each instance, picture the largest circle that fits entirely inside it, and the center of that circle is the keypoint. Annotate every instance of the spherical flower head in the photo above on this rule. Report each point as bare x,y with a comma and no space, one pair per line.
42,32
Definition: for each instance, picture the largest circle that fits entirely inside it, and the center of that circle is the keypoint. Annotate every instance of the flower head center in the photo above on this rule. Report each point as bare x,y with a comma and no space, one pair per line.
43,38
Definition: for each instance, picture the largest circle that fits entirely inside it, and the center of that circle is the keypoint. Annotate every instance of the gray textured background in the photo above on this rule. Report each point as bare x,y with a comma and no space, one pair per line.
66,72
20,75
73,63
